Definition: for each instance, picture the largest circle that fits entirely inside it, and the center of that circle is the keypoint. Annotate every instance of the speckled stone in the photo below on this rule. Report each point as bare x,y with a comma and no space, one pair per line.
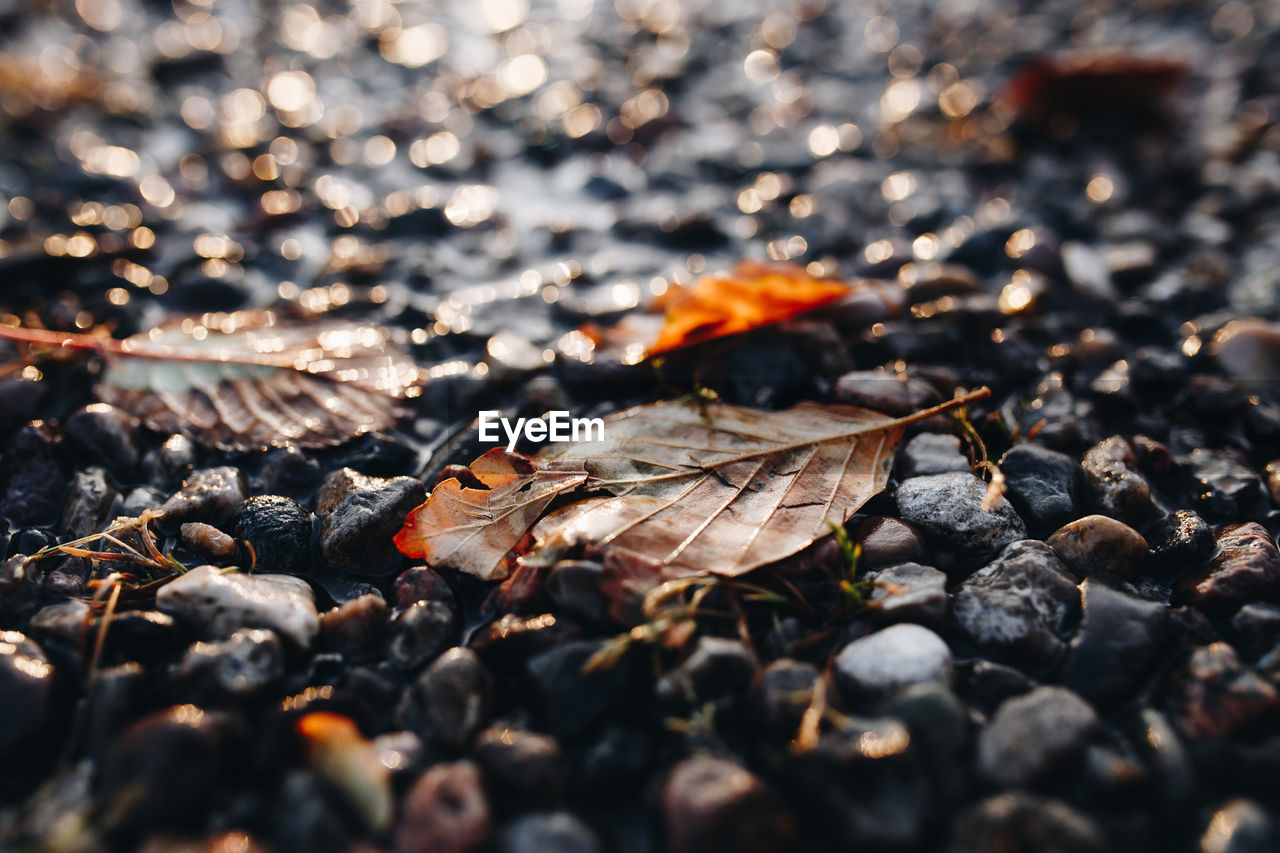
949,507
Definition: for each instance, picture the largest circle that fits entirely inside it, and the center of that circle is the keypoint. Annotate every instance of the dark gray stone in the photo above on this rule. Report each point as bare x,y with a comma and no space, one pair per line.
573,700
1256,627
526,764
786,689
1222,486
1018,605
211,495
718,667
557,832
949,507
1116,645
1115,484
1025,822
27,692
1043,484
931,453
421,632
361,516
575,587
240,667
1181,540
1033,734
893,658
456,695
89,505
279,530
909,592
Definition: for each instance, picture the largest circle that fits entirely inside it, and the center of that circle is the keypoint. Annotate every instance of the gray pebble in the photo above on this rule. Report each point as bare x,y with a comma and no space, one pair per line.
909,592
949,507
893,658
1032,734
218,603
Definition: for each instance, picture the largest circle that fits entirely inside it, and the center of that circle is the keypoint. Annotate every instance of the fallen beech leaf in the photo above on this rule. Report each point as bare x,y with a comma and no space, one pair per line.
691,487
251,379
750,296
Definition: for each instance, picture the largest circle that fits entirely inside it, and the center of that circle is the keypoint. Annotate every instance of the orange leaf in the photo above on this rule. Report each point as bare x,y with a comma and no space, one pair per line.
753,295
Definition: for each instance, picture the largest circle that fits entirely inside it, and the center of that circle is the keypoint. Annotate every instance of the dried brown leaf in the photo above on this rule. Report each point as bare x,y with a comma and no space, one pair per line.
251,379
692,488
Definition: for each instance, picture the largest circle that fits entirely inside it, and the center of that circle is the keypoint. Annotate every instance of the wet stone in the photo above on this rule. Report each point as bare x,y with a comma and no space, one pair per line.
107,435
162,767
420,584
718,667
211,495
1018,605
26,691
1240,826
244,665
1218,695
909,592
360,516
172,461
356,627
886,542
1116,644
1097,544
891,659
1115,484
786,689
1180,540
137,501
20,582
1222,486
1031,735
709,804
1025,822
456,692
931,453
948,506
279,530
881,391
1246,566
34,482
574,587
1256,628
525,764
556,832
445,811
290,472
422,632
219,603
1043,485
90,500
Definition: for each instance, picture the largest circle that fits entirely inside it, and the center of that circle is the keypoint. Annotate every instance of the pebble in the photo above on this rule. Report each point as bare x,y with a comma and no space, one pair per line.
892,393
718,667
574,587
1172,769
356,627
1018,605
1021,821
1181,540
1246,566
445,812
211,495
1043,484
909,592
159,771
420,584
1087,271
359,517
422,632
34,482
1097,544
711,805
209,539
172,461
893,658
240,667
1116,644
1222,486
20,581
948,506
1240,826
786,689
989,684
887,541
938,723
107,435
279,531
931,453
555,832
1218,695
572,700
1256,628
1115,484
90,500
525,764
1248,349
456,693
218,603
1033,734
27,692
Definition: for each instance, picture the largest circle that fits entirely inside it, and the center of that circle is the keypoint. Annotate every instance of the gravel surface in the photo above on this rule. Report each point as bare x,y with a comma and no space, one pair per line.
1089,663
